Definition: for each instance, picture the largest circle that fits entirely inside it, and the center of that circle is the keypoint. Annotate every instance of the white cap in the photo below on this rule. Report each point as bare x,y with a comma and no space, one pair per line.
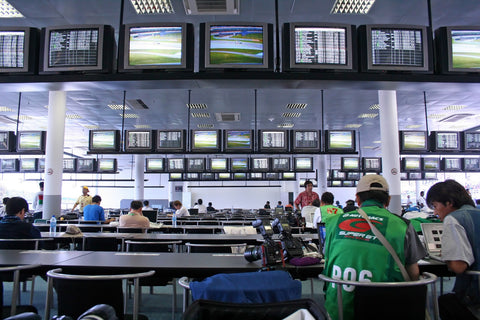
372,182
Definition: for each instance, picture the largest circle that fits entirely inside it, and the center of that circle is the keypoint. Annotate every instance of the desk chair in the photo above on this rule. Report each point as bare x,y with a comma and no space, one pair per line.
156,246
398,300
77,293
5,273
100,244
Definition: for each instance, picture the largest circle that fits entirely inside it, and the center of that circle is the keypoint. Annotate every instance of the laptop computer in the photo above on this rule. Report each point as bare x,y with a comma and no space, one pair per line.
321,238
432,234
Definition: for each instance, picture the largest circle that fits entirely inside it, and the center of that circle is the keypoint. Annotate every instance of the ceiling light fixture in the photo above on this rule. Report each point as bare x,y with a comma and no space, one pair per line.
200,115
296,106
352,6
436,115
414,126
353,125
196,106
377,141
375,107
152,6
73,116
8,11
5,109
92,127
117,107
129,115
285,125
142,126
454,107
368,115
25,117
291,114
205,126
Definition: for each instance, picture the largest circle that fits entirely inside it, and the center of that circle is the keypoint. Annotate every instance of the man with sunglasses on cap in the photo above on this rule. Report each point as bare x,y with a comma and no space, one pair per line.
82,201
353,252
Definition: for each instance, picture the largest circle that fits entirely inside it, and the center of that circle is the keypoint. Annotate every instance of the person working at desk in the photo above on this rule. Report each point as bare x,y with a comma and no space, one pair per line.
210,207
326,210
200,206
94,212
135,218
83,200
181,211
146,205
12,225
460,243
352,252
306,197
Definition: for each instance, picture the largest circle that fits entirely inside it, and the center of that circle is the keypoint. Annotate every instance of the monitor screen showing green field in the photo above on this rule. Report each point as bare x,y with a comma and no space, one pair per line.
465,49
340,140
155,46
431,164
30,140
103,140
351,163
412,163
241,45
414,140
239,139
28,164
218,164
205,139
239,164
154,164
106,164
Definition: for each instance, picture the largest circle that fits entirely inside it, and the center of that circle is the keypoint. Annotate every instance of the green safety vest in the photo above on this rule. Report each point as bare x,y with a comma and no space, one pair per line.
352,252
328,211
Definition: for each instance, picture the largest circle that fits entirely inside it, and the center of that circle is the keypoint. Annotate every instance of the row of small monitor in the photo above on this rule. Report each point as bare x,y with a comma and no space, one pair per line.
230,140
403,176
237,45
227,176
70,165
439,141
24,141
447,164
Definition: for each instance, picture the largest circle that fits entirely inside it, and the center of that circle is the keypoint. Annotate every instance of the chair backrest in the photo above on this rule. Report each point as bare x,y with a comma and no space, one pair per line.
392,296
23,244
152,246
100,244
76,293
213,247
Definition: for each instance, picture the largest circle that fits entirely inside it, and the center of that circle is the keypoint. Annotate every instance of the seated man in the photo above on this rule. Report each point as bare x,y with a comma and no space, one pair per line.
94,212
135,218
349,237
308,213
12,225
326,210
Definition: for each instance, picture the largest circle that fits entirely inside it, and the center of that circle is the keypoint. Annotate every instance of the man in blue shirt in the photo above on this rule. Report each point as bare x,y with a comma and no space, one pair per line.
93,212
13,226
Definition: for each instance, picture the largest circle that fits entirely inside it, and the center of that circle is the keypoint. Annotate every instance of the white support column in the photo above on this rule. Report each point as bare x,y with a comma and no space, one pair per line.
139,190
387,99
322,173
54,154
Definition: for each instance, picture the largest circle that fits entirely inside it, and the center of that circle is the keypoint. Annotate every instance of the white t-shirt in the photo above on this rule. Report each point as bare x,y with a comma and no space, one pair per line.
455,245
182,212
201,208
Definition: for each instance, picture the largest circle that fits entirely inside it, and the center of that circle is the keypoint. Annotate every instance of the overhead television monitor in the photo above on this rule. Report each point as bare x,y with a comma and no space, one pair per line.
7,141
218,164
273,141
224,176
236,45
31,142
19,50
205,141
192,176
350,164
107,166
304,164
154,165
239,164
69,165
239,176
372,164
156,46
471,141
319,46
458,49
28,165
430,176
175,176
9,165
138,140
175,164
471,164
289,176
271,175
41,165
413,141
256,176
338,175
280,164
306,141
386,47
340,141
353,175
431,164
104,141
445,141
195,164
86,165
451,164
238,140
403,175
410,164
260,164
348,183
77,48
207,176
171,141
414,176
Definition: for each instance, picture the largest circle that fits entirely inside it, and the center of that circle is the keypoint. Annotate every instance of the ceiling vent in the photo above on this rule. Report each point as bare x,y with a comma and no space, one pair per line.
211,7
456,117
136,104
227,116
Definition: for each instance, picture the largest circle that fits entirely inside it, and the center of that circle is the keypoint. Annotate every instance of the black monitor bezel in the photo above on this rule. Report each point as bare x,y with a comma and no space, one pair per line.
434,140
344,168
228,149
464,165
306,149
30,51
272,164
203,169
402,134
211,169
444,167
128,148
39,150
183,139
81,170
464,141
330,149
175,170
15,164
364,167
11,142
35,165
217,148
252,167
286,139
296,168
425,168
149,170
404,164
239,170
69,170
100,170
116,142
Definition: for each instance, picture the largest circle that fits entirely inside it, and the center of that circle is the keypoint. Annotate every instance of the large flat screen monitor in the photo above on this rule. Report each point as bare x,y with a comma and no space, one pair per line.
9,165
340,141
7,141
138,140
77,48
410,164
31,142
303,164
218,164
471,164
28,165
413,141
107,166
236,45
350,164
280,164
260,164
195,164
238,164
86,165
319,46
171,141
451,164
273,140
431,164
156,46
176,164
104,141
372,164
396,48
19,50
443,141
458,49
471,141
307,141
238,140
154,165
205,141
69,165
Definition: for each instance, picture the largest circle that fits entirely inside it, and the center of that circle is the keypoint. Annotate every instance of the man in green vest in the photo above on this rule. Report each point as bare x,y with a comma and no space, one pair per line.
353,252
326,210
